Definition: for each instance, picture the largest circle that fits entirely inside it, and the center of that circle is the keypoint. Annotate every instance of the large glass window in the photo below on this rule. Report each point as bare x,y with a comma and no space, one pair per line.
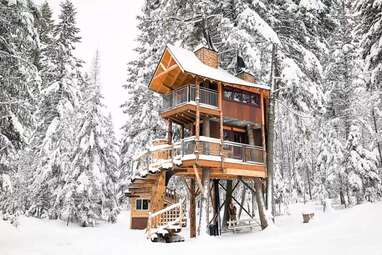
241,97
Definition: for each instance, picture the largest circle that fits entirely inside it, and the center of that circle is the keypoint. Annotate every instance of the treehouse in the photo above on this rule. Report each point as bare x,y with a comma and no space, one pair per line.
223,137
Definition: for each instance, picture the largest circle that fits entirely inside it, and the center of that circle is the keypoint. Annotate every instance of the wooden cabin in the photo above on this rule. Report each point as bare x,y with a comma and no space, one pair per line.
224,116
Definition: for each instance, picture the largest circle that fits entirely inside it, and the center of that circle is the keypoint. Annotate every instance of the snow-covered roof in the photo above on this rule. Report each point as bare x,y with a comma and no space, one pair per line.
190,63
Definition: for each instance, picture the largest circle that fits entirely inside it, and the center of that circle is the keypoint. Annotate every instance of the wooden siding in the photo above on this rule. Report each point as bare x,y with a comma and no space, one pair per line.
214,130
241,111
138,222
258,137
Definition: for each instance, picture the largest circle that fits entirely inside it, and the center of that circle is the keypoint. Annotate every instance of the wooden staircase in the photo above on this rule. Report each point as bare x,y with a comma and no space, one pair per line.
163,225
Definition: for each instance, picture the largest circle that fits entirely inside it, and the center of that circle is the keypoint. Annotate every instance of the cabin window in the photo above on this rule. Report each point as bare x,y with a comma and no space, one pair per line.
237,137
255,99
242,97
142,204
238,96
247,98
228,95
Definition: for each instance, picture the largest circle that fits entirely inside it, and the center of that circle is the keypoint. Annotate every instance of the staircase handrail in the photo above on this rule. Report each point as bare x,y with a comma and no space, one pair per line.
169,208
152,225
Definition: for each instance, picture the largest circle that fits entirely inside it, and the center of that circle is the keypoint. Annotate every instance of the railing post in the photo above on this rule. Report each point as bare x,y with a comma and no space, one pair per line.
182,147
197,124
188,93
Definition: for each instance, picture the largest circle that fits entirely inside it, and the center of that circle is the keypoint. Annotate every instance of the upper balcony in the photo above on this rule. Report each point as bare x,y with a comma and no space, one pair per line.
180,105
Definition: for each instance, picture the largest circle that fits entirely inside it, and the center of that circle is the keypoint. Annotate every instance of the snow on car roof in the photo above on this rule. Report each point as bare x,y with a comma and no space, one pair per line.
190,63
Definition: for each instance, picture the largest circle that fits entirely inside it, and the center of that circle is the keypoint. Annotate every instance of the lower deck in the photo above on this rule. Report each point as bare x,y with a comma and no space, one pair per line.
219,170
224,161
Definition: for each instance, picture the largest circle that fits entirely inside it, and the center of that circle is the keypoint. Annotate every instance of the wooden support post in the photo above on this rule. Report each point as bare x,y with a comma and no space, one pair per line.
182,132
192,209
169,136
263,130
216,205
220,95
197,122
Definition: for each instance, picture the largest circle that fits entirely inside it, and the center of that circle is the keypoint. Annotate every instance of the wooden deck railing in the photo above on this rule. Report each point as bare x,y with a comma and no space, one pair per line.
243,152
170,215
207,146
187,94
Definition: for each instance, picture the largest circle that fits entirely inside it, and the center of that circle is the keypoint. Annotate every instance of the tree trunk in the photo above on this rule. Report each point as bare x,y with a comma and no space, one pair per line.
253,201
309,184
342,196
260,203
242,201
271,129
216,205
376,131
204,205
228,198
192,209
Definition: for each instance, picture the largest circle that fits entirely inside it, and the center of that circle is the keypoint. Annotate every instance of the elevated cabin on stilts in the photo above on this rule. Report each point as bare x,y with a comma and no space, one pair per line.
224,116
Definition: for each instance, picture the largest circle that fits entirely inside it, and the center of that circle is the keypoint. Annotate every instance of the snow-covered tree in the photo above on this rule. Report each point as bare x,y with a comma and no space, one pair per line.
361,169
53,142
370,29
19,89
88,190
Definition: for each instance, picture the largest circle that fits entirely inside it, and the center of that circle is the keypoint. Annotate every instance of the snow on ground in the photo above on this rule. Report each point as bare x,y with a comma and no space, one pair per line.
350,231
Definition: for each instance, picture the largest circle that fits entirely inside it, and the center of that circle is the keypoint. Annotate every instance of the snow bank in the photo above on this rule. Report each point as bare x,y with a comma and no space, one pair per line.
351,231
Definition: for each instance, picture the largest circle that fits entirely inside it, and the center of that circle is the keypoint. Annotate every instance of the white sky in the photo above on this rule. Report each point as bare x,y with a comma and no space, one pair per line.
110,26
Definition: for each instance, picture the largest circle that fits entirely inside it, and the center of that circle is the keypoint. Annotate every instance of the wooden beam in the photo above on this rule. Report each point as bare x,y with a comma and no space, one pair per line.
140,185
175,77
170,61
184,116
169,132
162,66
182,132
199,181
248,173
161,74
248,186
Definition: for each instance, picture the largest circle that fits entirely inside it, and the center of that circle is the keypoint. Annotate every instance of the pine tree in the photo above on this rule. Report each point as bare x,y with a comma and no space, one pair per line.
20,84
362,170
45,25
370,30
53,143
88,192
